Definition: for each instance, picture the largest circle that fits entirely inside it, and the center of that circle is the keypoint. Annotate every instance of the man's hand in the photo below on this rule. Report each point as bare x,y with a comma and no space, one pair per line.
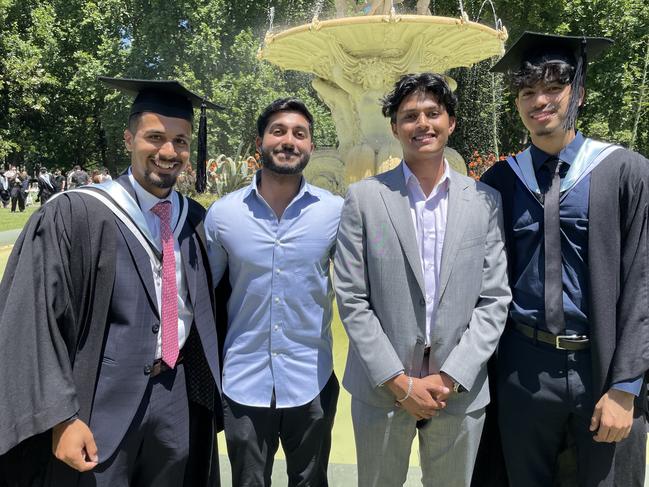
441,380
73,444
425,398
613,416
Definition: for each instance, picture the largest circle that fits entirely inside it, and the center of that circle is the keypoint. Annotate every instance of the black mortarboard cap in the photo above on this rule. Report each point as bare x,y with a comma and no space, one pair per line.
537,48
170,99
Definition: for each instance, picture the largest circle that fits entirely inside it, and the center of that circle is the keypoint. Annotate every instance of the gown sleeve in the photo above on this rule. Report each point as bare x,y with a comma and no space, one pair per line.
37,329
631,358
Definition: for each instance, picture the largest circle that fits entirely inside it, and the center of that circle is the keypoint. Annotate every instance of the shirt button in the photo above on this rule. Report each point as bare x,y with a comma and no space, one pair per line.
276,327
147,369
429,266
277,242
155,328
277,300
275,354
429,299
278,271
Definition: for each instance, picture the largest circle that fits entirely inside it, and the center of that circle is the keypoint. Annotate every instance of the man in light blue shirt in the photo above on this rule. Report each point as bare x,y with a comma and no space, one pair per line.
277,238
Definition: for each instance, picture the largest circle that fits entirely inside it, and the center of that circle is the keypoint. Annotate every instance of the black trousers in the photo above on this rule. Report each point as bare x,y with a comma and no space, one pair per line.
253,435
19,198
542,393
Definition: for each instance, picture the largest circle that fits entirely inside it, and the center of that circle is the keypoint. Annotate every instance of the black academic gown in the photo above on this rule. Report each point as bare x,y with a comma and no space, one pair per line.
45,189
618,273
54,303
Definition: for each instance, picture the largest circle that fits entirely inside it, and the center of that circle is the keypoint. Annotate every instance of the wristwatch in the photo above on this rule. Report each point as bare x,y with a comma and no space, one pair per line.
457,387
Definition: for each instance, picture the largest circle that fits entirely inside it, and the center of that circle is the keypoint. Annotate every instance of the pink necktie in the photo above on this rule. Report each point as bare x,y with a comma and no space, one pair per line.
169,290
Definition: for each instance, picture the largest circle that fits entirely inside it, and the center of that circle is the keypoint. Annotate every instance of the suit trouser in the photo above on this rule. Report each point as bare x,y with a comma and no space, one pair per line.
630,458
253,434
448,446
17,198
542,392
154,450
631,454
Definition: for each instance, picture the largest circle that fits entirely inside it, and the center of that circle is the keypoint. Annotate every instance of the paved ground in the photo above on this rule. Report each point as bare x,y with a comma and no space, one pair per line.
8,237
339,475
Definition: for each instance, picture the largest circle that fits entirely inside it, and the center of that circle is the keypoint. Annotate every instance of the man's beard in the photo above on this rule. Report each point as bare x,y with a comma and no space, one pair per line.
543,132
164,181
268,162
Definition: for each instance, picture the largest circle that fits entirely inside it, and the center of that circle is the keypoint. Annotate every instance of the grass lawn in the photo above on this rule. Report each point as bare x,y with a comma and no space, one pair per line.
15,221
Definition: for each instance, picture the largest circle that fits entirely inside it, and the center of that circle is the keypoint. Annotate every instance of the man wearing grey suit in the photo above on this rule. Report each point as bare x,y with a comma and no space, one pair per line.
423,301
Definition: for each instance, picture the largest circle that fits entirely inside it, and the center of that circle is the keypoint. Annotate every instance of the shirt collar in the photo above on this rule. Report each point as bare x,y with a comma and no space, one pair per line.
567,155
145,199
304,187
411,179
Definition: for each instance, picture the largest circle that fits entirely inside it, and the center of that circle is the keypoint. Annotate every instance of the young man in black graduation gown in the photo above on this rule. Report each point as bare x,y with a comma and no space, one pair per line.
575,350
110,371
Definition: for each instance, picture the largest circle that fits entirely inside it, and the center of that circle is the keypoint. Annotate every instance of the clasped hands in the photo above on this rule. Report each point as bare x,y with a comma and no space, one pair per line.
427,396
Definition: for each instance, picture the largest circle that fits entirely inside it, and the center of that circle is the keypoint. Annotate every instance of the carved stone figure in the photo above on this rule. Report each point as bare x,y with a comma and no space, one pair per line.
376,7
342,8
423,7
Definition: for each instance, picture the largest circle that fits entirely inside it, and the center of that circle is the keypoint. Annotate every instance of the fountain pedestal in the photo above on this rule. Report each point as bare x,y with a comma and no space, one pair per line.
357,60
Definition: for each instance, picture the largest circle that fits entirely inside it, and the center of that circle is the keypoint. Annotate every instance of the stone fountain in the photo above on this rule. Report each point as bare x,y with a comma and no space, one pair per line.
356,60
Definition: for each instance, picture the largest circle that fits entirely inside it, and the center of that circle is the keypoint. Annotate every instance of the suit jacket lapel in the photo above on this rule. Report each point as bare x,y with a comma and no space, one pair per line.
142,264
140,257
397,203
458,199
189,256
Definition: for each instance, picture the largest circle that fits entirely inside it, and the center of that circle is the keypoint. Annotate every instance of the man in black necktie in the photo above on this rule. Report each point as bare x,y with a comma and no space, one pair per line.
575,349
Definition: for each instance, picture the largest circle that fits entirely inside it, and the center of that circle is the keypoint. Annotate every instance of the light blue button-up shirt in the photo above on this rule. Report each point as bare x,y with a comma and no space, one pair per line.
280,310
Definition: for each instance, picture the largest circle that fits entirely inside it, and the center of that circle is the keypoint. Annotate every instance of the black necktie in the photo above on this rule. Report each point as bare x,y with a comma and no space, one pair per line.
554,319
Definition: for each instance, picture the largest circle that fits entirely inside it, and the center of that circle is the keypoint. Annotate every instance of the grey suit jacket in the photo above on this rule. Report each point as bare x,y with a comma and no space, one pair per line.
380,289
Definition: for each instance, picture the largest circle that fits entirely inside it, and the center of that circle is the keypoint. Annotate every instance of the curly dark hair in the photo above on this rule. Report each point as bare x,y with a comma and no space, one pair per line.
546,71
429,83
283,105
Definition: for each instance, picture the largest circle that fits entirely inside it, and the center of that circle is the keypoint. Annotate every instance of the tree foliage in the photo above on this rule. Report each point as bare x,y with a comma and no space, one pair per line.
53,112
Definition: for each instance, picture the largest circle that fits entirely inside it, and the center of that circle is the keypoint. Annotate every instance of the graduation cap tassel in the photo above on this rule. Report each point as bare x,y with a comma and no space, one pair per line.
201,151
578,82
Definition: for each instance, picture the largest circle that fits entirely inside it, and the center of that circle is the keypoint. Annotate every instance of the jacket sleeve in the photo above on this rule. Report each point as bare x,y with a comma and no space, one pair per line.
631,357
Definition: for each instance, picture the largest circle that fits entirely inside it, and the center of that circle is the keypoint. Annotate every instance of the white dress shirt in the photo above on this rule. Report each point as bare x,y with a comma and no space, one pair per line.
147,201
429,219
